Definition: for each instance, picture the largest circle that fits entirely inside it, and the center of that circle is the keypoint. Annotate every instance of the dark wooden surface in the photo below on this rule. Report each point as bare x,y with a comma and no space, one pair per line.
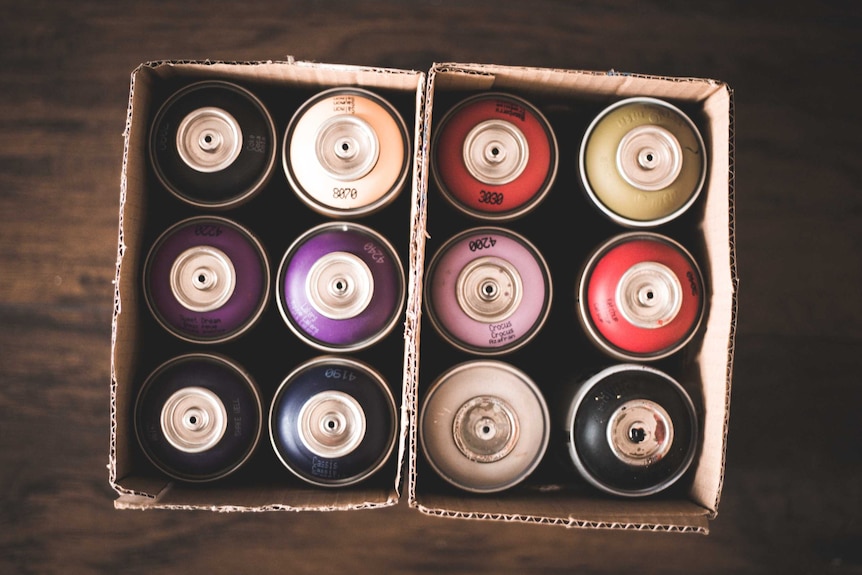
793,494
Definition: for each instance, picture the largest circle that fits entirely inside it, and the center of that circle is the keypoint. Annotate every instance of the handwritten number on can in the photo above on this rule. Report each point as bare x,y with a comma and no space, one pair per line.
344,193
375,252
338,373
484,243
493,198
208,230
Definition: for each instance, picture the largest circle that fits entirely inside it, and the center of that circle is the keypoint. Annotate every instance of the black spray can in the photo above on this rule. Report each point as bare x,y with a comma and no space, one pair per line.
631,430
212,144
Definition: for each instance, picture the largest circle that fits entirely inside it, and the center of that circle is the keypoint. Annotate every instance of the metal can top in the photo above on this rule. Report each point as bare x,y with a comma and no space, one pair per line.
209,139
484,426
632,430
494,156
346,152
642,162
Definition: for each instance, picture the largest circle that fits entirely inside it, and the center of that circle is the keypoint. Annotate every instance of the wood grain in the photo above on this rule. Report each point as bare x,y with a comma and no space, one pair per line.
793,492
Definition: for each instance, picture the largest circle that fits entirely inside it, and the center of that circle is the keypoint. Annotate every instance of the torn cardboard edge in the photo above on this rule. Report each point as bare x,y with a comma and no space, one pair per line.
155,491
659,523
714,359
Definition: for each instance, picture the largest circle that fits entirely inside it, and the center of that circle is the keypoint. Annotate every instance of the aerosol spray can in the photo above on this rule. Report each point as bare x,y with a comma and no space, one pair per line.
484,426
333,422
494,156
346,152
640,296
198,417
642,162
206,279
341,287
212,144
631,430
488,291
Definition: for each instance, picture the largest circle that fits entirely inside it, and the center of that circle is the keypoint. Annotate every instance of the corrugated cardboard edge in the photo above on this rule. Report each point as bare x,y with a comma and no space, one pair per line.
124,503
420,235
734,278
418,216
569,523
146,502
488,71
118,308
132,499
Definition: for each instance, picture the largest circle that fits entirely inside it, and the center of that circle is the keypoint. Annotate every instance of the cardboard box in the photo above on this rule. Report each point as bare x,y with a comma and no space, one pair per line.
565,227
564,224
269,351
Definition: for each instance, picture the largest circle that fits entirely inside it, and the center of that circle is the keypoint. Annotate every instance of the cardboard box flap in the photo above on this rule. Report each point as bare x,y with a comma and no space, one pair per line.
126,280
310,74
593,84
716,358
